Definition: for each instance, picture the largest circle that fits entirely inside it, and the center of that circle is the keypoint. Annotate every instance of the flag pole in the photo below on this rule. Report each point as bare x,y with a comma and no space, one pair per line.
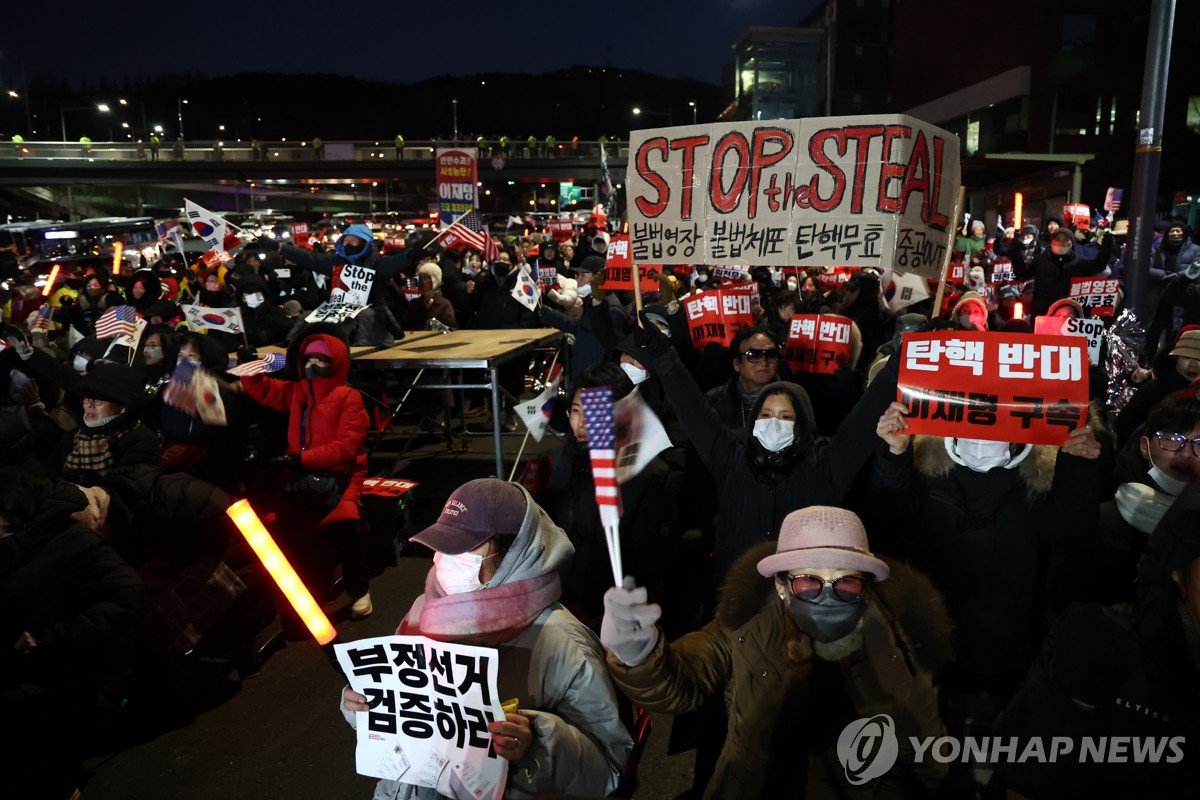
525,441
941,290
612,535
637,292
442,232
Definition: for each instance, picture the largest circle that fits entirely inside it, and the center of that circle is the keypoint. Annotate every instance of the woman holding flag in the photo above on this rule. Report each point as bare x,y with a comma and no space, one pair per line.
780,465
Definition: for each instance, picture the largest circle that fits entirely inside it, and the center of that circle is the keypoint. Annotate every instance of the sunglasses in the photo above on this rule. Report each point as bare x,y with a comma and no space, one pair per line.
848,588
755,356
1175,442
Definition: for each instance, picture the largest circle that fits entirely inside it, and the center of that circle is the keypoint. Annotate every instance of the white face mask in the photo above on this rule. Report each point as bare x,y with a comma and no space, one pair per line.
982,455
81,364
254,300
792,285
584,290
636,374
98,422
1172,486
458,574
774,434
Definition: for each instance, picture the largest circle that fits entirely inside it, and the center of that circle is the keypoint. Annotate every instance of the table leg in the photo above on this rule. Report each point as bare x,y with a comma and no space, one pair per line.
496,411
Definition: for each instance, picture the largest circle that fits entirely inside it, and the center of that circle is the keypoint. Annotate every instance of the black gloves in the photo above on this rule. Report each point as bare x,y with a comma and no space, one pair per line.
651,342
286,460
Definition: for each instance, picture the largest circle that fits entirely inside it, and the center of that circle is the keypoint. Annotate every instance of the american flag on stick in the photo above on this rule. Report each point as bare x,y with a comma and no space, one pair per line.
469,230
117,321
602,442
272,362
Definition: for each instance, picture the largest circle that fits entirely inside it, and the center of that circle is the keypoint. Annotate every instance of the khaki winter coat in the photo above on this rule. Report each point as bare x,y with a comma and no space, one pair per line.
779,742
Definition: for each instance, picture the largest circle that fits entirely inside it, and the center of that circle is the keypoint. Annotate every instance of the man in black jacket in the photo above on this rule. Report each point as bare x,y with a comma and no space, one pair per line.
756,358
1054,267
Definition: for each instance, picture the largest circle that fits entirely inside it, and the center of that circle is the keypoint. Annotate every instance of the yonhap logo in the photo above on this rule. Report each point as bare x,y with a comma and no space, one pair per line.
868,748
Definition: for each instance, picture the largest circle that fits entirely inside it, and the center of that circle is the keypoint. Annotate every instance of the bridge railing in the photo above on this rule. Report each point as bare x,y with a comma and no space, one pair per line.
283,151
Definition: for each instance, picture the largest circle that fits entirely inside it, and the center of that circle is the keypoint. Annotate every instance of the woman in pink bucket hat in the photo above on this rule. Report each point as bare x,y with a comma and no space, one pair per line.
815,637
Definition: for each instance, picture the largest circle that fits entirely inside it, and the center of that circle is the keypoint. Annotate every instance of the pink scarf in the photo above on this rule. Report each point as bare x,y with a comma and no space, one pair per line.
487,617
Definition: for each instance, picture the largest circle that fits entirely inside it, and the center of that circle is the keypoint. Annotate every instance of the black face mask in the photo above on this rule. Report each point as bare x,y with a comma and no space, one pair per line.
826,619
353,250
501,270
316,371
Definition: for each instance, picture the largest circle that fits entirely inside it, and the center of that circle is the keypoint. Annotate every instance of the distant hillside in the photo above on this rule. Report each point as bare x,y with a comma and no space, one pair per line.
580,101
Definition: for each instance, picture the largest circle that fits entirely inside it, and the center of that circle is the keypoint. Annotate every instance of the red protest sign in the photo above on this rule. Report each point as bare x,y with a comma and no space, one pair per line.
387,487
835,277
619,267
958,273
818,343
1078,215
714,317
1099,295
561,229
996,386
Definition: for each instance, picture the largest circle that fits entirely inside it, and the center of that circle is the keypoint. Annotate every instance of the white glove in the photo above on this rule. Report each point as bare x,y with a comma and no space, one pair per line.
628,630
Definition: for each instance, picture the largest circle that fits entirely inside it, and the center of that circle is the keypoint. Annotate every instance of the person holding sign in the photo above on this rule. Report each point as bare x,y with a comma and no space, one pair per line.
495,582
777,465
975,514
1054,267
809,630
359,275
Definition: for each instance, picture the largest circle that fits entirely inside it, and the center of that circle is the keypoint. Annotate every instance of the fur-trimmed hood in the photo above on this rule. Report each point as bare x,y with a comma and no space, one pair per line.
908,599
1037,470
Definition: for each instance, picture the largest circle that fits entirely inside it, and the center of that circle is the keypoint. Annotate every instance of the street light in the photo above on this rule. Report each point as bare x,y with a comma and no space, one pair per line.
13,94
158,129
123,101
692,103
62,114
180,103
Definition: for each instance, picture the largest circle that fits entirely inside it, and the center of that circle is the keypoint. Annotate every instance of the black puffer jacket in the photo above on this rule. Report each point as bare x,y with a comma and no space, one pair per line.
757,489
69,588
978,535
496,308
1052,274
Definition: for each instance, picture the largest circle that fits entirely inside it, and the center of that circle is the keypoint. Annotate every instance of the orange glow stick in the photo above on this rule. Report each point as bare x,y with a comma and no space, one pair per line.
1018,310
281,571
118,251
49,287
1018,203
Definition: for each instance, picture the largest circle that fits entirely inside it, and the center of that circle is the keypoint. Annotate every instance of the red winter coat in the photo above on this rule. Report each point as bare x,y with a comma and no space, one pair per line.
333,419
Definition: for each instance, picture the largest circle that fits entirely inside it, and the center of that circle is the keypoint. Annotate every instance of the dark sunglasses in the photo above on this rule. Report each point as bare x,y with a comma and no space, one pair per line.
754,356
1175,442
848,588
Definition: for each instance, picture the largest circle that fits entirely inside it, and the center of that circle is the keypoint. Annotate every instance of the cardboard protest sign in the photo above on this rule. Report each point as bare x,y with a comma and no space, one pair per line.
904,290
996,386
618,264
334,312
859,191
1091,329
714,317
818,343
352,284
1097,295
457,176
430,704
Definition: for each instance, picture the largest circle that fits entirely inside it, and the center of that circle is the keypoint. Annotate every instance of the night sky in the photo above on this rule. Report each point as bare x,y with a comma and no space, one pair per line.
399,41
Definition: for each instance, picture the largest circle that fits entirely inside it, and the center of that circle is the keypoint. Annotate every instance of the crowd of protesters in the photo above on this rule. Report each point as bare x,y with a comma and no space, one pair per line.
796,560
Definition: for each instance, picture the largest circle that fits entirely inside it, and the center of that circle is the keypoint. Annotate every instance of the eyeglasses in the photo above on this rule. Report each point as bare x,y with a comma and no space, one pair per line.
1176,442
92,402
848,588
755,356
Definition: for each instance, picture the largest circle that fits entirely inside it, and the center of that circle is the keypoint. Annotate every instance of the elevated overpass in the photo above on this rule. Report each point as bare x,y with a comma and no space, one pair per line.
125,163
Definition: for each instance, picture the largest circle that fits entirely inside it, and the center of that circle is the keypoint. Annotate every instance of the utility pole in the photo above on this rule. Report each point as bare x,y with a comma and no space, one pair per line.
454,103
1148,154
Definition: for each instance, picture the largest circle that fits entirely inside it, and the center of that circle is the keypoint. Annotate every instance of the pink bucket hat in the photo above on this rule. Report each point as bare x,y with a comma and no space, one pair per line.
823,536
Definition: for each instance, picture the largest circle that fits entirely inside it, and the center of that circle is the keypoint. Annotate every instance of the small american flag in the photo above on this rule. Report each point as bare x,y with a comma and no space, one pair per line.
602,442
178,393
41,321
272,362
117,321
469,229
